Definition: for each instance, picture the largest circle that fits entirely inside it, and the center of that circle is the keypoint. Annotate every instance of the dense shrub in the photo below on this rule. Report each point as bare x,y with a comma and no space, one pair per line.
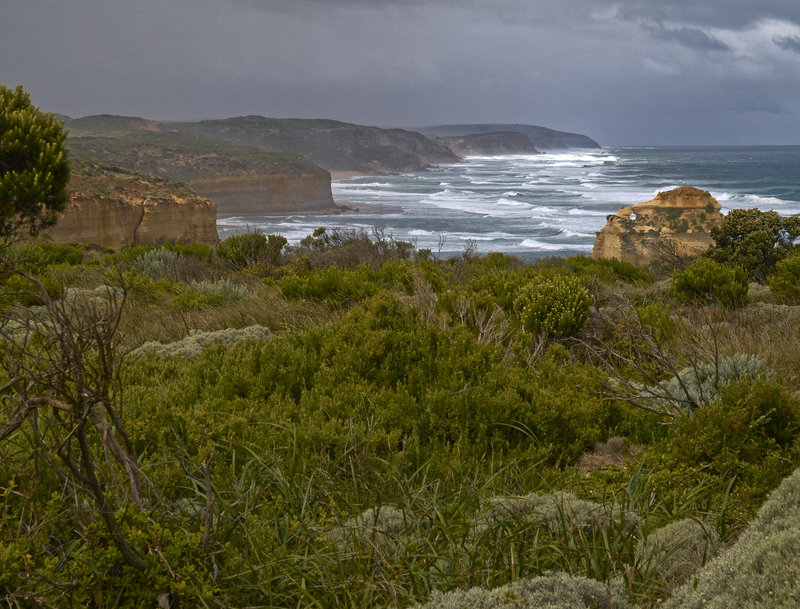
751,419
34,257
346,285
553,305
607,269
706,278
754,240
241,251
785,281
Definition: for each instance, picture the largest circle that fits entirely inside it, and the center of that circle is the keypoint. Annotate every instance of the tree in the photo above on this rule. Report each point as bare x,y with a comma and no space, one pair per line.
34,169
754,240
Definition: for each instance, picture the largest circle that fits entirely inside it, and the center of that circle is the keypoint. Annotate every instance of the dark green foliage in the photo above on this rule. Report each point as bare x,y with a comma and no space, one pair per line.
607,269
343,285
35,257
754,240
706,279
753,420
34,171
241,251
785,281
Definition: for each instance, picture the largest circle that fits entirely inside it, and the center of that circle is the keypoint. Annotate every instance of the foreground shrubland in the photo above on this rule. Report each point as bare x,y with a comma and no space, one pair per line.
351,422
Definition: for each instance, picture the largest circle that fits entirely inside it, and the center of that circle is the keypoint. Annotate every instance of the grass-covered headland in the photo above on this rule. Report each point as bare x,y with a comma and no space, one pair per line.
356,423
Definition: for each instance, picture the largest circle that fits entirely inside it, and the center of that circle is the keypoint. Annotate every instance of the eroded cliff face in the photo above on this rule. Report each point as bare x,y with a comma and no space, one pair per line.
260,194
675,224
113,208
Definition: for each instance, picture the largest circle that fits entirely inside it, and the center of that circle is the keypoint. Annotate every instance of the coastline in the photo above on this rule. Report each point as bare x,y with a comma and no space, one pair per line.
336,211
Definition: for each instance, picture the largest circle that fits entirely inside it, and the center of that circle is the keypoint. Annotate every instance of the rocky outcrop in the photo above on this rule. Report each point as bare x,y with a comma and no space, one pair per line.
541,137
489,144
675,224
113,208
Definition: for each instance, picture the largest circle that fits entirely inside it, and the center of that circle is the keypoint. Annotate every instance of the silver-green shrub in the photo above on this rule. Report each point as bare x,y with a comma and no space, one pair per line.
700,384
762,569
384,529
553,305
552,591
197,340
222,287
677,551
555,512
157,263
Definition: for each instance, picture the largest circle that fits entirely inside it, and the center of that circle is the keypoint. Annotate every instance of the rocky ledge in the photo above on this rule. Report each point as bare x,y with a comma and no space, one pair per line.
675,224
114,207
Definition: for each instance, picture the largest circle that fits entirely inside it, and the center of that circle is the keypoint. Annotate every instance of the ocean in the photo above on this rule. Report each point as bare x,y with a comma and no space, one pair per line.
535,206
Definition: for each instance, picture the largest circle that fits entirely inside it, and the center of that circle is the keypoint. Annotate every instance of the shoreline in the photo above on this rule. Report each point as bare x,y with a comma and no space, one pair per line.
337,211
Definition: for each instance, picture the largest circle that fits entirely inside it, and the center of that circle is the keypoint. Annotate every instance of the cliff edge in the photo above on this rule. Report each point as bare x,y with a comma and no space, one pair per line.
114,207
675,224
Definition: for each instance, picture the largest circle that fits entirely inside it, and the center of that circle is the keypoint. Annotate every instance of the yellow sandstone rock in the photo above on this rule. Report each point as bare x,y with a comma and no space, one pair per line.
675,224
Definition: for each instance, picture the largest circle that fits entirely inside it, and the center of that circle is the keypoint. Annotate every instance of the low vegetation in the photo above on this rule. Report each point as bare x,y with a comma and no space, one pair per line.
352,422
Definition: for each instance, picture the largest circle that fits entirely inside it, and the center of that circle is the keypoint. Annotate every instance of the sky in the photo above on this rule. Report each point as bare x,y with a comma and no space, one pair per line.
626,72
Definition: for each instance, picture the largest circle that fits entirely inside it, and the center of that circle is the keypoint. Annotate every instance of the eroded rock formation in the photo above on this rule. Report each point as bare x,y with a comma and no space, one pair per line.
113,208
501,142
675,224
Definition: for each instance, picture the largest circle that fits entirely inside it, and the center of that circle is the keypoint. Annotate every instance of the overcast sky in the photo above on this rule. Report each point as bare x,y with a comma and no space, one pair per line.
628,72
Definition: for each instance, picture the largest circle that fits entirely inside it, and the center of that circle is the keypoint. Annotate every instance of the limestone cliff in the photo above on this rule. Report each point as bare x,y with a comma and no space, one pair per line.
675,224
267,194
113,207
490,144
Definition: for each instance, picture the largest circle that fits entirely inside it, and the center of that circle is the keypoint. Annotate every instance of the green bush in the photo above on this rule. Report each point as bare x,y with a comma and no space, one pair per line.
607,269
556,305
754,240
751,418
35,257
785,281
706,278
241,251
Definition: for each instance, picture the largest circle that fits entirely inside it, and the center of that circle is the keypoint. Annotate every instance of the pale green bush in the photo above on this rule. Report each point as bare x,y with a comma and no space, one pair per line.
553,591
553,305
762,569
555,512
197,340
383,528
677,551
698,385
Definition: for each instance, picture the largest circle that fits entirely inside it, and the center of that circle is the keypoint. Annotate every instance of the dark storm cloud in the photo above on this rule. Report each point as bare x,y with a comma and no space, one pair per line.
690,37
632,71
788,43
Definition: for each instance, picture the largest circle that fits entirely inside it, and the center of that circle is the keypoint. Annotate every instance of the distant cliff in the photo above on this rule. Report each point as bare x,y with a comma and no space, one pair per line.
238,179
675,224
541,137
114,207
334,145
496,143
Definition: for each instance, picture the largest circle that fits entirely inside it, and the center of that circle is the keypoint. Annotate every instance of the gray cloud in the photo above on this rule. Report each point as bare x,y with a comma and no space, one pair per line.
636,71
689,37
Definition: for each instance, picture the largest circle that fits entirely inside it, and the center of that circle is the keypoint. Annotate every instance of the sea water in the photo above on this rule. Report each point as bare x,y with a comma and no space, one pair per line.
540,205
